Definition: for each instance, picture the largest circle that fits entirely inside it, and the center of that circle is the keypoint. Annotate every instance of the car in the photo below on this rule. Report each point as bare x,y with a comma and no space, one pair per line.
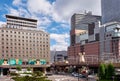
49,74
75,74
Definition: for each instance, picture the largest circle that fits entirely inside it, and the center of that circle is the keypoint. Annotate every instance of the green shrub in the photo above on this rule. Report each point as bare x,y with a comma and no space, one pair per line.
27,78
14,74
28,69
19,68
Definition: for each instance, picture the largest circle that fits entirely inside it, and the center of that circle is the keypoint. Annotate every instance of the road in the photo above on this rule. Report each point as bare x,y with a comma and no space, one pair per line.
5,78
63,78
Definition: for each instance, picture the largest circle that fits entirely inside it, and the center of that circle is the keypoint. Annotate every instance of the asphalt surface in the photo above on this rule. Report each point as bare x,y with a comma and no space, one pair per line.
5,78
64,78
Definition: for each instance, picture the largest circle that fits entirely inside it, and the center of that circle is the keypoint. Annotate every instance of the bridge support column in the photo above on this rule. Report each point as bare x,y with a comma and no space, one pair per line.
1,71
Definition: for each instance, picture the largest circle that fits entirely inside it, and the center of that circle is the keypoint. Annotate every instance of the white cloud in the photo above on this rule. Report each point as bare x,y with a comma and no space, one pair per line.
13,11
65,8
64,25
61,10
61,41
1,23
16,2
54,29
39,7
44,21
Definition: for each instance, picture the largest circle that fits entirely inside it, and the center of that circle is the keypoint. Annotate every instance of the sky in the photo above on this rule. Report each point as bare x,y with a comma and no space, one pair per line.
53,16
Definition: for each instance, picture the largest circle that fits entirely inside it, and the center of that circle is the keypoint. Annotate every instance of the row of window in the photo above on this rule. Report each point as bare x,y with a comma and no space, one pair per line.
19,44
15,32
28,41
22,52
19,25
24,40
43,48
24,22
24,55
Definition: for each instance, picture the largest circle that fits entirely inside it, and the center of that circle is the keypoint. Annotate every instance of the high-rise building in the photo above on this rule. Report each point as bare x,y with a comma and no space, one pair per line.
110,41
20,39
84,36
109,31
110,10
79,26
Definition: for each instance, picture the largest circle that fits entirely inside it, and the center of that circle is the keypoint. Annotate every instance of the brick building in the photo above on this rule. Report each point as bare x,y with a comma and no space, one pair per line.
84,37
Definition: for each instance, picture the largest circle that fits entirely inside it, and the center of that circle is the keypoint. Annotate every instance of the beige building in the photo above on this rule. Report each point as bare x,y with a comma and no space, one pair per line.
20,39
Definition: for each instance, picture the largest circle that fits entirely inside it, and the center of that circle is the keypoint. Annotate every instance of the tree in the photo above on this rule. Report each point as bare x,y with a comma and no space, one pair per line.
102,71
110,71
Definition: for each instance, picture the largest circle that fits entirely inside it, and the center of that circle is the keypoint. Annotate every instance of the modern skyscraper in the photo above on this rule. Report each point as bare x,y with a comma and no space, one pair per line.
110,10
79,26
84,30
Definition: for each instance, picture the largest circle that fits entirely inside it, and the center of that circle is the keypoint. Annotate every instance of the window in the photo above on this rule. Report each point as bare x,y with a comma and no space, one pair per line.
2,30
2,55
6,51
2,47
2,34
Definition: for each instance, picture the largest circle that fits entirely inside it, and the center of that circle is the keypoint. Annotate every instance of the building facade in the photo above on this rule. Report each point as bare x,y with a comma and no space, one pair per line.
21,41
110,10
110,41
84,34
58,56
109,31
